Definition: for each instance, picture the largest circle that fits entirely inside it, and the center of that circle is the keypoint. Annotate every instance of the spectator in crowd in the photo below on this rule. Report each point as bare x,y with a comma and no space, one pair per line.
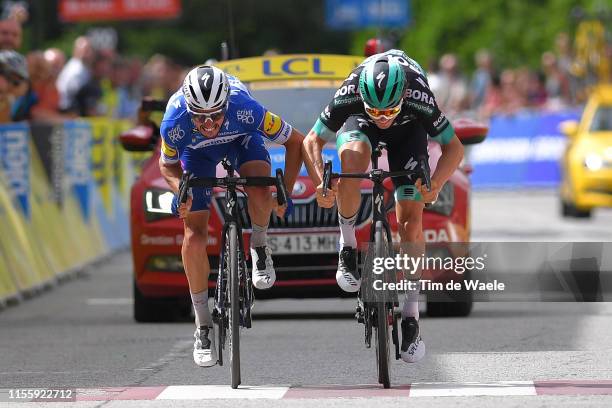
56,60
10,34
75,75
481,78
46,106
94,99
127,101
565,59
451,93
433,75
557,84
13,83
536,95
512,100
493,99
164,77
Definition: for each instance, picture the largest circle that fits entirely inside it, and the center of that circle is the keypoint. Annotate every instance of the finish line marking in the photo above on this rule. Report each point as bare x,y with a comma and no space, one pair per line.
429,389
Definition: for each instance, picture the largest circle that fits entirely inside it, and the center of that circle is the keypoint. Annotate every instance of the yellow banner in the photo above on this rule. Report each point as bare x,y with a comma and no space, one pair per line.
102,158
294,66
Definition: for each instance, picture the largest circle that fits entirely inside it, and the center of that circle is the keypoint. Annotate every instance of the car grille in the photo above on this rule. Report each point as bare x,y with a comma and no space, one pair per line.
305,214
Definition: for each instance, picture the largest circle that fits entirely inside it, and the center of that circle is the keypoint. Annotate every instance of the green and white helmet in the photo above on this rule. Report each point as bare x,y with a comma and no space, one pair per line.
381,82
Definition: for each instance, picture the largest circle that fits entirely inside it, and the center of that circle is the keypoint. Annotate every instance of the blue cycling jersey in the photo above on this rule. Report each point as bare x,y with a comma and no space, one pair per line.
240,138
244,117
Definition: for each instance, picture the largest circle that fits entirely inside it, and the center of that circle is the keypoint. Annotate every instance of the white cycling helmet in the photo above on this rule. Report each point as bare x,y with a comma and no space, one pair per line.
206,89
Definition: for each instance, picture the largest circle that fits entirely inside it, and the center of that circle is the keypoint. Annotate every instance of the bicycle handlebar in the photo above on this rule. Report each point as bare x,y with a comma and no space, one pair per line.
375,173
187,181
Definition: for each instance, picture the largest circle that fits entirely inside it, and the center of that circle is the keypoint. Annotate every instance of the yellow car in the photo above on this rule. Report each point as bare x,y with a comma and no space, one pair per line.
587,162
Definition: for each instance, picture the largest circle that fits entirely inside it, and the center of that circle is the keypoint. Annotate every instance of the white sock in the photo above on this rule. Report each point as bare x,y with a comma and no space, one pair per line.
347,231
411,304
259,237
200,306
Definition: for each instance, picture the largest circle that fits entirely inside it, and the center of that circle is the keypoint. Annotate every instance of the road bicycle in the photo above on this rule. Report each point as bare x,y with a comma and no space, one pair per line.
375,308
234,290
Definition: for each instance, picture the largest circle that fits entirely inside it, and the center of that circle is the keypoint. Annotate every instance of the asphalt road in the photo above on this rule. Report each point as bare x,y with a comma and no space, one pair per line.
81,335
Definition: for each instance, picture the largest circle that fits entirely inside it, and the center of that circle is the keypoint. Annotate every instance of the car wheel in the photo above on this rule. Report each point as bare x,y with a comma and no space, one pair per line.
570,210
159,310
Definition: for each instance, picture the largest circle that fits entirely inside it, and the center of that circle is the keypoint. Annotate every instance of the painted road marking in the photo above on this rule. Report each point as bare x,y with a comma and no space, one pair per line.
198,392
469,389
347,391
430,389
574,387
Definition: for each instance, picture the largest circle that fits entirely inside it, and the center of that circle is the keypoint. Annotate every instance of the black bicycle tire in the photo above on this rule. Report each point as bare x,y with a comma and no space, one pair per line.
221,297
234,308
382,325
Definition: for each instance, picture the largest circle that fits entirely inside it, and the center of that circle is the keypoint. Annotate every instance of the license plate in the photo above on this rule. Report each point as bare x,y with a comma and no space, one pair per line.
303,243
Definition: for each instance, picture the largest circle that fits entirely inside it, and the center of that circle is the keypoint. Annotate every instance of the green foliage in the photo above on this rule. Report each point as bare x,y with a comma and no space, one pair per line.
517,31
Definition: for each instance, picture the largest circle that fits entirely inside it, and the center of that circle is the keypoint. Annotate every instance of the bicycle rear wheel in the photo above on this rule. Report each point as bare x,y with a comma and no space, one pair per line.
382,312
234,307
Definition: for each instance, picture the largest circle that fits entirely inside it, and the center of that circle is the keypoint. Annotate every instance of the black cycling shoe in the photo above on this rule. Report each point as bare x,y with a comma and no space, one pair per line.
347,275
413,346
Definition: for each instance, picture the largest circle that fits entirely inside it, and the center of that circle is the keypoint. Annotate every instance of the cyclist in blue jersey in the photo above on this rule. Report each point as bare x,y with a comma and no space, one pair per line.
211,117
386,98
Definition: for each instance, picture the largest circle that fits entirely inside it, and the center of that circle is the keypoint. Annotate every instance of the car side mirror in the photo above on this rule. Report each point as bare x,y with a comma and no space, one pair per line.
569,128
142,138
470,132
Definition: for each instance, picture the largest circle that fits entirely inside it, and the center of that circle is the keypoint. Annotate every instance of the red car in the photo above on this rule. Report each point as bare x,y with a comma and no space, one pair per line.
305,246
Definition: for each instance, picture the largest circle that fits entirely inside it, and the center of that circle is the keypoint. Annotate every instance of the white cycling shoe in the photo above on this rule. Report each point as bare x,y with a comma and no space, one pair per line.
413,346
204,351
264,274
347,275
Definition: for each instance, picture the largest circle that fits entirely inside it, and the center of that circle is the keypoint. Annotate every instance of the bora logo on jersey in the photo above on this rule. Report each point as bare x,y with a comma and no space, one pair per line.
271,123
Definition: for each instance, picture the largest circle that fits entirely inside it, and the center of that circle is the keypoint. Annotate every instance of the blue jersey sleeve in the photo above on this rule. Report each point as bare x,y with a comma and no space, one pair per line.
173,129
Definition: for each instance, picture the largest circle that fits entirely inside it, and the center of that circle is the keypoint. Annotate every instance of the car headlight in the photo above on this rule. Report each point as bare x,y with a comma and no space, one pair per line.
158,204
446,200
593,161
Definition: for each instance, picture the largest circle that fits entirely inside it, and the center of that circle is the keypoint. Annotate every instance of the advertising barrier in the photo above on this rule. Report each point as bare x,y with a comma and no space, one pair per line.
521,150
64,194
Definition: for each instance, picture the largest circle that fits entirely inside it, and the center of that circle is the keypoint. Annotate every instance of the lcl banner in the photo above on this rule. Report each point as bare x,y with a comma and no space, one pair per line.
96,10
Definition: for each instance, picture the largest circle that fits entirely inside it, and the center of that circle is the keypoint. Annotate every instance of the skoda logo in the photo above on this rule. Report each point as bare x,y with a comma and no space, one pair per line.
299,188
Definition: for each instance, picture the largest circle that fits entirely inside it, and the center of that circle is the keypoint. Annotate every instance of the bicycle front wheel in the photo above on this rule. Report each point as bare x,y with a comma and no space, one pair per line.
382,311
234,307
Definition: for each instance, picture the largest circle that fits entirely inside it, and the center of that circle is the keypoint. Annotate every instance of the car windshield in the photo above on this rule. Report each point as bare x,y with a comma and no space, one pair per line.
298,106
602,121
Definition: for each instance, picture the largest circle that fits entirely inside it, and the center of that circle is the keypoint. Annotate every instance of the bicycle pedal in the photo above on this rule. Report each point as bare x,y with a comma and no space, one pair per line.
215,316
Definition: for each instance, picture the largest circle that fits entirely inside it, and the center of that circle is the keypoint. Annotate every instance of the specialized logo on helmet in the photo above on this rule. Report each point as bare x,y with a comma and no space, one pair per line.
381,82
205,78
380,77
271,124
205,88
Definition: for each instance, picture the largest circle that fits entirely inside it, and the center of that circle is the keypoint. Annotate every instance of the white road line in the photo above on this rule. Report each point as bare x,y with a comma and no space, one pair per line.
110,301
467,389
197,392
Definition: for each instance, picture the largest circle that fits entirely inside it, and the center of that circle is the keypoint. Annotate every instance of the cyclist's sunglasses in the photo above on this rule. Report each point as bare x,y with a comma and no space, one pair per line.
389,113
214,116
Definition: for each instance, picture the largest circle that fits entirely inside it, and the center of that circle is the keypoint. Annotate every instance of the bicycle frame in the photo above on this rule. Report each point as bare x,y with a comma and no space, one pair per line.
232,307
371,312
